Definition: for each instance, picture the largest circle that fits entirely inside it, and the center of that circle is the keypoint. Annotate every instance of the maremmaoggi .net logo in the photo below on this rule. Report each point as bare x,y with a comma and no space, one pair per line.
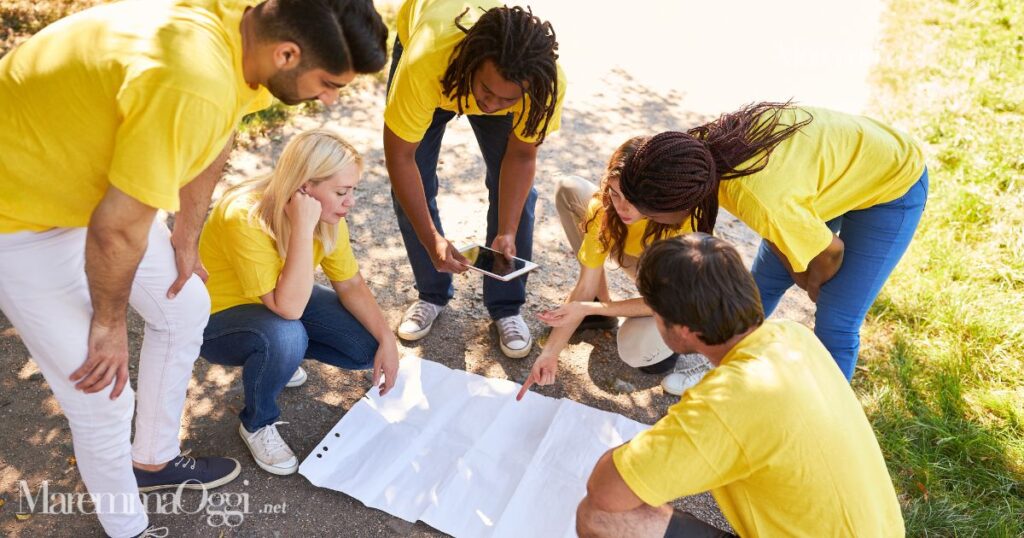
222,509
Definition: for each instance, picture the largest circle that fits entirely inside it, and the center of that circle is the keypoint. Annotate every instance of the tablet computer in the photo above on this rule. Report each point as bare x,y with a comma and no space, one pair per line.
494,264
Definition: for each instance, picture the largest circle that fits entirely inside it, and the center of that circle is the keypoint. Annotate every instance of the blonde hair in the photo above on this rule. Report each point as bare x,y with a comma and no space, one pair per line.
312,156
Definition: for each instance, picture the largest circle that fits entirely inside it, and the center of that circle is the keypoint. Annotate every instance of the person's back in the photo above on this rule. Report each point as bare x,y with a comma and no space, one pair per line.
774,432
791,452
82,89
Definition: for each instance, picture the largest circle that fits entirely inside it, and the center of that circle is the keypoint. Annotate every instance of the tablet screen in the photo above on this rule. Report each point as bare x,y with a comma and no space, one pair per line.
493,262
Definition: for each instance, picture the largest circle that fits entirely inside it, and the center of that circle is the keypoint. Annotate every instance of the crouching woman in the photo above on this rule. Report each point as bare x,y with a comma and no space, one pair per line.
261,246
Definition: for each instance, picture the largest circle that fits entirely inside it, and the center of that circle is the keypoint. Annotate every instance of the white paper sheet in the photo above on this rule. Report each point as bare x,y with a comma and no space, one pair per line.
456,451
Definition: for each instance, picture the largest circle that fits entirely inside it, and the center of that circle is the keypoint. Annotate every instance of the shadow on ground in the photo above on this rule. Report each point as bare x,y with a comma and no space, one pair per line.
36,444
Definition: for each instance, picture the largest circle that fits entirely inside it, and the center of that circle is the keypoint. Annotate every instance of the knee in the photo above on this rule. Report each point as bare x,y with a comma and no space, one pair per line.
570,191
286,345
587,519
583,516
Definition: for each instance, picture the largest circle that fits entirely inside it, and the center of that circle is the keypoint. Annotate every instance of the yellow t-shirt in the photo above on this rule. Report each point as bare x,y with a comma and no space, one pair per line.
141,95
591,253
836,164
242,259
778,437
428,34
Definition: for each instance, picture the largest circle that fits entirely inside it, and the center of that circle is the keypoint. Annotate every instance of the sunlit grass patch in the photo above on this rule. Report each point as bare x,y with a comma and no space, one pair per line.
944,346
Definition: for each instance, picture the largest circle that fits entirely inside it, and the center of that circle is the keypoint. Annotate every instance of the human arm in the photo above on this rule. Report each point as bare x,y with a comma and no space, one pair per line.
400,159
116,239
357,298
820,269
606,489
515,180
188,222
564,320
294,286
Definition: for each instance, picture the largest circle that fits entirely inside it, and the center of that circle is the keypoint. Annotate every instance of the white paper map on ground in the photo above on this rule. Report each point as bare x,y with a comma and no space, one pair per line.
458,452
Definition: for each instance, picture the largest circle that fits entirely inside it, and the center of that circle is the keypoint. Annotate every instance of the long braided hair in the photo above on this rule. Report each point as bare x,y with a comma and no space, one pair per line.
523,49
677,171
612,232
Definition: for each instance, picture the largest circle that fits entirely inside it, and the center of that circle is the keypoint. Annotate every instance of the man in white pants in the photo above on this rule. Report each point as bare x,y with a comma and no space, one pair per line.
105,117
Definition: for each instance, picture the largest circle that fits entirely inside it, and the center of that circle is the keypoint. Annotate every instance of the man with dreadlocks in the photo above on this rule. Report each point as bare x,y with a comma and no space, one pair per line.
496,65
835,197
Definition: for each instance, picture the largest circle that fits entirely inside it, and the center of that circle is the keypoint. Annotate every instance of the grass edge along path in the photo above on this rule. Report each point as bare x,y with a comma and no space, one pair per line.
943,349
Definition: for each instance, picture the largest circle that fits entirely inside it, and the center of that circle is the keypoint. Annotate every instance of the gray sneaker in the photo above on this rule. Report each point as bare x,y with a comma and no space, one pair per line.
418,320
514,336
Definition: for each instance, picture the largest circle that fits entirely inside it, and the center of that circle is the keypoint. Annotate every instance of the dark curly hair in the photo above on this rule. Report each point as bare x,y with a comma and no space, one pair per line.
677,171
612,232
523,49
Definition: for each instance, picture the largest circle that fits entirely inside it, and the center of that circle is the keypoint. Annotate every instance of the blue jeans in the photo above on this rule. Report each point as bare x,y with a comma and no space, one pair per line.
270,348
875,239
501,298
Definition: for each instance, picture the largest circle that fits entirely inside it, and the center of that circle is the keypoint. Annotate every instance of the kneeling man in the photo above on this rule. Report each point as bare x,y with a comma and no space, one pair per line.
774,431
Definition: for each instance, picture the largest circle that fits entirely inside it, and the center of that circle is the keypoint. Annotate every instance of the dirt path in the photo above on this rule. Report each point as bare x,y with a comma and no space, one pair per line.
610,105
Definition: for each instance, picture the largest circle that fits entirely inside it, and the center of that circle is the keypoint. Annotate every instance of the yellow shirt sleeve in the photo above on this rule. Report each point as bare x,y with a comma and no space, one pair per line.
415,94
792,225
252,254
340,265
688,451
161,143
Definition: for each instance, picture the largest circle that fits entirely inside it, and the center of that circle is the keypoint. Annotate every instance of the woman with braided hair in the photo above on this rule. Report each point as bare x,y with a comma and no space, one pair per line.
835,197
497,66
599,223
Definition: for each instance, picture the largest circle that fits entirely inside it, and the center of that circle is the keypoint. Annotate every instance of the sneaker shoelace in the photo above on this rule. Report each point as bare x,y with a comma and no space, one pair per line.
185,461
419,313
270,438
512,329
155,532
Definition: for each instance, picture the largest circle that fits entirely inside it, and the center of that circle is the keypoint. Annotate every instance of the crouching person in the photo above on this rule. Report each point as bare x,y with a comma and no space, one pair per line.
774,431
260,247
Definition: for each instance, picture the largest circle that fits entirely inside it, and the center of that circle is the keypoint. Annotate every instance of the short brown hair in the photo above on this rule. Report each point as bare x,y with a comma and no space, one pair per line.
699,281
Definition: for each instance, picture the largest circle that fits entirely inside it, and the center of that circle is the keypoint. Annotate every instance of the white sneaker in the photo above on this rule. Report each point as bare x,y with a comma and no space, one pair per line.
514,336
418,320
298,378
690,369
269,450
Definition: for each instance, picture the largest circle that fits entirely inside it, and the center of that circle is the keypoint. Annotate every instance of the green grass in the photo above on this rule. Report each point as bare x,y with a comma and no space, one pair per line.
944,346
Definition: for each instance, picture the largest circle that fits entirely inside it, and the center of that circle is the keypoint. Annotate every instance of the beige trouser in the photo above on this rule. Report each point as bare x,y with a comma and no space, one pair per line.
639,342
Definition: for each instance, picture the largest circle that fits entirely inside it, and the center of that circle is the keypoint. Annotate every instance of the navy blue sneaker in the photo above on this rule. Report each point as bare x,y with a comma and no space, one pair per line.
189,473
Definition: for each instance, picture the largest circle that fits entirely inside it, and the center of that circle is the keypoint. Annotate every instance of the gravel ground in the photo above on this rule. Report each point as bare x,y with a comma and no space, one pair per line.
36,443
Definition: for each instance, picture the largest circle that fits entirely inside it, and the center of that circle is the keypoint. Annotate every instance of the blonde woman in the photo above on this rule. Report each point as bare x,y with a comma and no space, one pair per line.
260,247
599,223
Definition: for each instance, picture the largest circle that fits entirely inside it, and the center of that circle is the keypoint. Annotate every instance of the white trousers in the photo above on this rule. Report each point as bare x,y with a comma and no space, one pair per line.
44,293
638,340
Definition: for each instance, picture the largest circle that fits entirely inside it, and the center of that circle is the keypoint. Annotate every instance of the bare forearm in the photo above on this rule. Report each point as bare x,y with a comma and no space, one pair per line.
825,265
195,200
630,308
408,187
400,160
112,255
295,285
357,298
586,288
514,184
